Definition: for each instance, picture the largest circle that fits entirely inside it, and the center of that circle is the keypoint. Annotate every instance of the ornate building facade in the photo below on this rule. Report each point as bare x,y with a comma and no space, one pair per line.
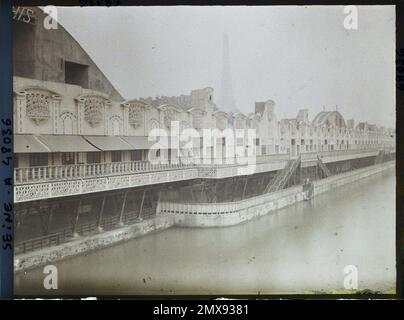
77,142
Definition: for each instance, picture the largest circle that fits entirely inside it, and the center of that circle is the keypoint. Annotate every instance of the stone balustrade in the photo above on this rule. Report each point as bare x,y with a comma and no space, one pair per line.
50,182
79,171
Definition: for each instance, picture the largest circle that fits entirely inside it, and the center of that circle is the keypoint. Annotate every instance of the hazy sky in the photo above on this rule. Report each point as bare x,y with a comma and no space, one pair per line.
300,57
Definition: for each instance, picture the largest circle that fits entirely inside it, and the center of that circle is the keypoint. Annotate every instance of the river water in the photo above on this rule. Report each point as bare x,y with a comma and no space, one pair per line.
302,248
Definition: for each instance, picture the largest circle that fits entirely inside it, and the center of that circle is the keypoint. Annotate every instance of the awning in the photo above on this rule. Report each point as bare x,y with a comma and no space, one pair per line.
108,143
66,143
26,143
139,143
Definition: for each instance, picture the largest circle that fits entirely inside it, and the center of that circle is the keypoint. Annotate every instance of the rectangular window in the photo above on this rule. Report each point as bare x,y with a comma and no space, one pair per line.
93,157
136,155
76,73
68,158
15,159
38,159
293,142
239,142
116,156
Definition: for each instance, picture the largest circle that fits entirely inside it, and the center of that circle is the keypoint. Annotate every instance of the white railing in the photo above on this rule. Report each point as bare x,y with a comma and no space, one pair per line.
165,207
329,155
226,207
79,171
50,182
36,191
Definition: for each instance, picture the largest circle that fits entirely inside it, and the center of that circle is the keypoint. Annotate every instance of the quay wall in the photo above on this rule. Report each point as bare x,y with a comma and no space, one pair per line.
220,215
196,216
333,182
85,244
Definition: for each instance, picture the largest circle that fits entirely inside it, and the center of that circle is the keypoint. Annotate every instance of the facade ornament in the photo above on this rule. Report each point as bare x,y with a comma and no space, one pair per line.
94,110
184,125
198,118
38,103
136,114
153,124
169,116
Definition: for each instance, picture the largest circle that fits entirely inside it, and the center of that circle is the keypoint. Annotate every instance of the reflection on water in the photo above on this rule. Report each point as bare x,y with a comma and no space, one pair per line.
302,247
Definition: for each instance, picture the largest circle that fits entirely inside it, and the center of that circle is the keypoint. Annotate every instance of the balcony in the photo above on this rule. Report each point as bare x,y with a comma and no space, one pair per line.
81,171
58,181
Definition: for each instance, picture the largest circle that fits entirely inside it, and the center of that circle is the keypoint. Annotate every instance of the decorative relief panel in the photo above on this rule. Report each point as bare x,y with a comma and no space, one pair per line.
153,124
240,122
38,104
136,114
169,116
65,187
197,119
184,125
221,120
68,120
67,114
94,110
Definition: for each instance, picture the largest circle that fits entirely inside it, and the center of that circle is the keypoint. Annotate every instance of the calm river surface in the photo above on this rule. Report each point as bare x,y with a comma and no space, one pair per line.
301,248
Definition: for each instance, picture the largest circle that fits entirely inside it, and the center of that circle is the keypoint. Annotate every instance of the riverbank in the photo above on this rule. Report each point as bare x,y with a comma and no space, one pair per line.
241,213
82,245
233,213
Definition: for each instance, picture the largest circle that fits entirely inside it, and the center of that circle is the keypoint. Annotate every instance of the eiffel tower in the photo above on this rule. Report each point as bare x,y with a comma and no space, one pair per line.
227,102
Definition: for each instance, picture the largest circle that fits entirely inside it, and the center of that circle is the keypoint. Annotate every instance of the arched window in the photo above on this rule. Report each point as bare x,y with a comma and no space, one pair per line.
67,125
116,127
